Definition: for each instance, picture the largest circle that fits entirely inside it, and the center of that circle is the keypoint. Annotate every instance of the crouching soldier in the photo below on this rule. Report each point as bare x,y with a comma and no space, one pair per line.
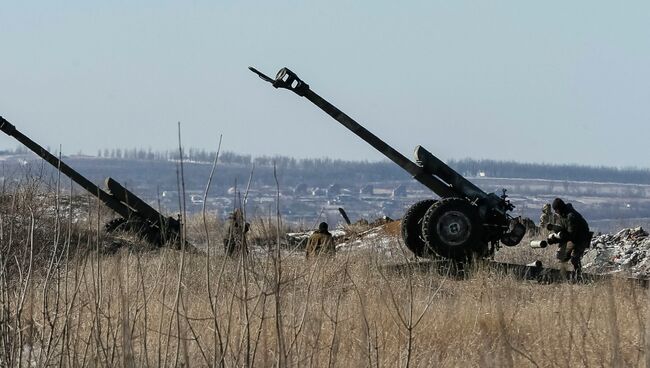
234,240
572,235
320,242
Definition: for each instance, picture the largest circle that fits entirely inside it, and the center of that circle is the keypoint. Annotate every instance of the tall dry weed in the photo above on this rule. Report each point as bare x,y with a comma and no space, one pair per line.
80,306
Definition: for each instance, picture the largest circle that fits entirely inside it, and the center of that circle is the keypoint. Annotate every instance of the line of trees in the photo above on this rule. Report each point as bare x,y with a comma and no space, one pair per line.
385,170
512,169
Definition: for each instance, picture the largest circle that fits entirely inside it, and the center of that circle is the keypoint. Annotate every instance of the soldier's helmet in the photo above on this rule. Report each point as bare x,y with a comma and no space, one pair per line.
322,227
559,206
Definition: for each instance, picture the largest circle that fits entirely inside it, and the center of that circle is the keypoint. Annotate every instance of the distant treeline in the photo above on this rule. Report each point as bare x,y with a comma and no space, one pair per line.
511,169
385,170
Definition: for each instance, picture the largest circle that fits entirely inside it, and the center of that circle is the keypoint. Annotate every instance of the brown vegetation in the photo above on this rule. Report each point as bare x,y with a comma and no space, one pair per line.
272,308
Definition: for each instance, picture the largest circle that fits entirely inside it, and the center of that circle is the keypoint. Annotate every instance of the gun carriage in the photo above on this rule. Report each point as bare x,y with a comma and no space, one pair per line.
463,222
136,215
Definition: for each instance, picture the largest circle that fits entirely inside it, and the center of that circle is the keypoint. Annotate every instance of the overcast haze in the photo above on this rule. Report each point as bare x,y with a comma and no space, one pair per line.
552,82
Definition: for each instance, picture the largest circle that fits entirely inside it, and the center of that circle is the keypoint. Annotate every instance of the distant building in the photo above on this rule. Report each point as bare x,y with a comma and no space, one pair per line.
400,191
333,190
318,192
300,189
391,209
167,194
367,190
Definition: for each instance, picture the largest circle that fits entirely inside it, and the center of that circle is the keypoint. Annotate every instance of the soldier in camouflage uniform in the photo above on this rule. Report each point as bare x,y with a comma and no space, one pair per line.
235,236
571,233
320,242
546,217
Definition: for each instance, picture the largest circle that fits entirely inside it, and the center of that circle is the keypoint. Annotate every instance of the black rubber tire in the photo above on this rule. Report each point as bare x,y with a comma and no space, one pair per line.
412,228
452,228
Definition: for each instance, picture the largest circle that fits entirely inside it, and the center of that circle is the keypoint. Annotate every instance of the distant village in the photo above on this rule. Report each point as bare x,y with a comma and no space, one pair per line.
313,192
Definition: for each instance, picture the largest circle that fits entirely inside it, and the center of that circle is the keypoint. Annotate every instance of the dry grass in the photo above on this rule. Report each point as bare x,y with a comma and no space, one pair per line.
172,308
523,253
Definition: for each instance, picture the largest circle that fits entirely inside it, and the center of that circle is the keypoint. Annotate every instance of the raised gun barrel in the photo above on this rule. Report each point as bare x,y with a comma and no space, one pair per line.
106,198
433,165
137,215
289,80
461,223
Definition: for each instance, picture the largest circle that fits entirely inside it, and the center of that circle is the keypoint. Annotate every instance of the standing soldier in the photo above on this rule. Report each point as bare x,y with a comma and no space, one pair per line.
572,235
546,217
320,242
235,236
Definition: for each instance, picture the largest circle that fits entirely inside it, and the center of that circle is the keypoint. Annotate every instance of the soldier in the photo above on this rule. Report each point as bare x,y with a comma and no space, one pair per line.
571,233
235,236
320,242
546,217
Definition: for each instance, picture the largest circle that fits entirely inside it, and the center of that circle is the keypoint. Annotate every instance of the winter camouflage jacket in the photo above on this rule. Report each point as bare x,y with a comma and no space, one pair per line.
320,243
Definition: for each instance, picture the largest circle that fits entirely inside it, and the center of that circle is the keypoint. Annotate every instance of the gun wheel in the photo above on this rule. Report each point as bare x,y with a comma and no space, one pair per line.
452,228
412,228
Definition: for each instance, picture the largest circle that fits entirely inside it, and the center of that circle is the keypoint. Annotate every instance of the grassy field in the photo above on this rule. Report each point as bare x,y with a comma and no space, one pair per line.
66,301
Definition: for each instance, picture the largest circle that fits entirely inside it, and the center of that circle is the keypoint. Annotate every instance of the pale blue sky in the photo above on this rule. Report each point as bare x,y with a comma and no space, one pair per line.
545,81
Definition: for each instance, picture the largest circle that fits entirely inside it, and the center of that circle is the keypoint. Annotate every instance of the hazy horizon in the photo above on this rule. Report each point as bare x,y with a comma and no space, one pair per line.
551,82
174,150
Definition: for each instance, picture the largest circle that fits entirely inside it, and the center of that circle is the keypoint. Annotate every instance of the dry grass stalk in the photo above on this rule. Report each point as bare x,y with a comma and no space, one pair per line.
63,306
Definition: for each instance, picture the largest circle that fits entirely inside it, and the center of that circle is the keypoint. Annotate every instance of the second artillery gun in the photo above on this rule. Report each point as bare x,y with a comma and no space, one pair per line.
137,215
465,222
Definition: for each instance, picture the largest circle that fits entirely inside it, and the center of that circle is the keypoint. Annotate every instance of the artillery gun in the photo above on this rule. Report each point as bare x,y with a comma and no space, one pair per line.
137,215
464,222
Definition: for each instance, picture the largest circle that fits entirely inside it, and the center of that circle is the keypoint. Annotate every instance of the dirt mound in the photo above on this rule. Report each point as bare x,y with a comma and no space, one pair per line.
392,228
